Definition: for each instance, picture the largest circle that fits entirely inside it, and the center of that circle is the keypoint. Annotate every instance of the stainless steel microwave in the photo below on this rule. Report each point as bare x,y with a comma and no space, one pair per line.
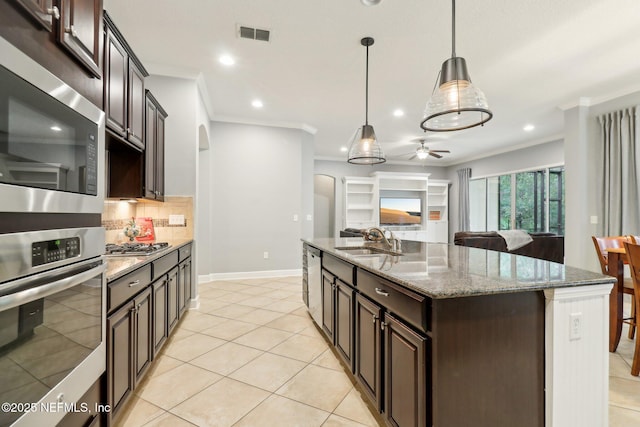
51,141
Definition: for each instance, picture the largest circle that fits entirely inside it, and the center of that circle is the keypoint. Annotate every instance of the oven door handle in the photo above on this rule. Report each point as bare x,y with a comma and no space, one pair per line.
17,299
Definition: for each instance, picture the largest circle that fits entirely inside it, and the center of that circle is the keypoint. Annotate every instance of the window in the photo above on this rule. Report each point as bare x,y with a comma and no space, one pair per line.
528,200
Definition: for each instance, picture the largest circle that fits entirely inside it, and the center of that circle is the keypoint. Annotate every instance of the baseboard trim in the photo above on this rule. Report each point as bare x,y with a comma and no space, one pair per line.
204,278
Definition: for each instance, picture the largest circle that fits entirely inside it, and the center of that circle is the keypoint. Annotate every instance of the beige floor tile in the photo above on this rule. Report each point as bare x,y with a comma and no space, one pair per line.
258,301
283,294
260,281
301,347
302,311
234,286
338,421
230,330
354,408
213,293
259,316
622,417
295,298
222,404
177,385
624,393
618,367
290,323
278,411
278,285
316,386
296,280
226,358
196,321
207,305
256,290
328,360
192,346
163,363
168,420
139,412
263,338
179,334
284,306
234,297
268,371
312,331
233,311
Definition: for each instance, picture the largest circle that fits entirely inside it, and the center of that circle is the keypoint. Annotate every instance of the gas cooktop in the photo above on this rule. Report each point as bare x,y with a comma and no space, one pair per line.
135,249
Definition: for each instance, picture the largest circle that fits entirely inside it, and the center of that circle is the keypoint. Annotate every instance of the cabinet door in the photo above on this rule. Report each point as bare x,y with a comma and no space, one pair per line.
172,299
327,304
80,31
160,157
405,375
119,351
150,150
185,278
42,10
135,106
344,321
368,349
115,85
181,289
143,335
160,326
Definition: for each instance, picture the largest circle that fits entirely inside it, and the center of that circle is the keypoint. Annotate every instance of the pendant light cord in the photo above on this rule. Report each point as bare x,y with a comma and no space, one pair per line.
366,92
453,28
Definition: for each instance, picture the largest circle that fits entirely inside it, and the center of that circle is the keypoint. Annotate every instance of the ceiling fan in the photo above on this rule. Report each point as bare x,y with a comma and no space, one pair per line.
423,151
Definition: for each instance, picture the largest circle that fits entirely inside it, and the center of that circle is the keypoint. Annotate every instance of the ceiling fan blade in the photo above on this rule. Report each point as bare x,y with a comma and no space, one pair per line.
440,151
413,157
437,156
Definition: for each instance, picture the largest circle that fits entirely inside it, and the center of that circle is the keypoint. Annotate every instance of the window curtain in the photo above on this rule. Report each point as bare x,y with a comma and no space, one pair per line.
620,190
463,199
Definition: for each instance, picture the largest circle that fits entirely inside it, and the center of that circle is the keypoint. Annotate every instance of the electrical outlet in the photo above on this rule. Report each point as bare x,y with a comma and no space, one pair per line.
176,219
575,326
266,255
309,217
295,218
593,219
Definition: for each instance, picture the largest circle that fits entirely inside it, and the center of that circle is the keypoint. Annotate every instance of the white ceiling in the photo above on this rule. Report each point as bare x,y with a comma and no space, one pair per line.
531,59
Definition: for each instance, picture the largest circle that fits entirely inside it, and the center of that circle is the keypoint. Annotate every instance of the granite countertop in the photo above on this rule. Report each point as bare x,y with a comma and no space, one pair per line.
118,266
447,271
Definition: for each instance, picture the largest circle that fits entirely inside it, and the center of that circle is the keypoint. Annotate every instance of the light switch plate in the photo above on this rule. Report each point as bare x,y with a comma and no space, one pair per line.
176,219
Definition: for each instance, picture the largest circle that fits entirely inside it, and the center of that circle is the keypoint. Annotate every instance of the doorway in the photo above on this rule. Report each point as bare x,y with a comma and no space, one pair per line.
324,206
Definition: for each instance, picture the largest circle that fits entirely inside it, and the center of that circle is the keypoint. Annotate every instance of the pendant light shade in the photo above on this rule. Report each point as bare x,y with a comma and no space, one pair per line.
456,103
364,148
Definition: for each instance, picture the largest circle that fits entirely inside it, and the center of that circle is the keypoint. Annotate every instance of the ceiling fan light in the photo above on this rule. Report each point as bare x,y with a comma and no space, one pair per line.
422,153
364,148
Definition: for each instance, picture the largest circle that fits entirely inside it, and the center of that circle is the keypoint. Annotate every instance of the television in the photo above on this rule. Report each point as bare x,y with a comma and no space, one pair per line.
400,211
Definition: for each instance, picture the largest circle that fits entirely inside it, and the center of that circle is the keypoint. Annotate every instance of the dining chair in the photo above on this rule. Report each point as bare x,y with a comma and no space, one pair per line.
633,257
604,243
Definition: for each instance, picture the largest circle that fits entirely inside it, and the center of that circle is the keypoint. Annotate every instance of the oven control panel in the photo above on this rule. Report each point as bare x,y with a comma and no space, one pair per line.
54,250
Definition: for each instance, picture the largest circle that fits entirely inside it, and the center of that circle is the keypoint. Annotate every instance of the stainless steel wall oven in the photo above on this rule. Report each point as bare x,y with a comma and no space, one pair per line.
52,267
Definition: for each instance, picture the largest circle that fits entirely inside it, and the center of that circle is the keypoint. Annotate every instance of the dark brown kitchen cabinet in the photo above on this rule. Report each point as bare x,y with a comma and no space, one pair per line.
154,152
42,11
328,319
344,321
124,94
143,333
184,282
160,326
172,299
368,348
120,378
80,32
405,375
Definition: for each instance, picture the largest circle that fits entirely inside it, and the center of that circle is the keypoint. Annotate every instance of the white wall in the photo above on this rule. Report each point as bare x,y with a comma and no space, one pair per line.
542,155
260,177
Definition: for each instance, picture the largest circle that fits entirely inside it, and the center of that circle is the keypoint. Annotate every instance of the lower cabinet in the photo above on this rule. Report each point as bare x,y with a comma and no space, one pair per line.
344,321
172,299
328,320
143,334
184,284
160,325
368,349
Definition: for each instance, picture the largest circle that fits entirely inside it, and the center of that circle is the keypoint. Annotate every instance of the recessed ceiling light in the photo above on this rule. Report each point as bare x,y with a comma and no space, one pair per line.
227,60
528,128
256,103
344,149
56,128
398,113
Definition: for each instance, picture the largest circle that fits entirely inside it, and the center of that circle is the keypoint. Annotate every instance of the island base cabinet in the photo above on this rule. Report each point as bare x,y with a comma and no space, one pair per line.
368,349
328,319
405,375
344,322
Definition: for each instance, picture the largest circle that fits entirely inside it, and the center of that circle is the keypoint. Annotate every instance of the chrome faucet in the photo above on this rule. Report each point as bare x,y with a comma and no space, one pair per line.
377,234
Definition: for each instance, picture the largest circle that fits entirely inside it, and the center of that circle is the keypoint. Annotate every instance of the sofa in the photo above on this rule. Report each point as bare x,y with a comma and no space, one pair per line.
546,246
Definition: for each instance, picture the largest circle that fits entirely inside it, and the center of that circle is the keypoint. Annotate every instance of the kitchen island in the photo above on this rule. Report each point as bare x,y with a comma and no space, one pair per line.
455,336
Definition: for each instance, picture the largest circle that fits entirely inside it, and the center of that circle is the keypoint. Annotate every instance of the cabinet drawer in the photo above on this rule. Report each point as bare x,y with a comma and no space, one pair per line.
406,304
164,264
121,290
339,268
185,252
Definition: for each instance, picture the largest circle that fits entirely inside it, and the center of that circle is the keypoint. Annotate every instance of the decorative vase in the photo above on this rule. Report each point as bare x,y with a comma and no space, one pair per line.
131,230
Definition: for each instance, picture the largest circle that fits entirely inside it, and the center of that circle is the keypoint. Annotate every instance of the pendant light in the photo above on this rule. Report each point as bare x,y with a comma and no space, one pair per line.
365,149
455,103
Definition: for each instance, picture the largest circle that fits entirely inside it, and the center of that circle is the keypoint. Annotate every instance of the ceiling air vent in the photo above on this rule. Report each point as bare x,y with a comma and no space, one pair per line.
253,33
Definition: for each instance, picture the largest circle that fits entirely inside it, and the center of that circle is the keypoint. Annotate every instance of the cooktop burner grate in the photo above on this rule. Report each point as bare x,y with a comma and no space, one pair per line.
137,248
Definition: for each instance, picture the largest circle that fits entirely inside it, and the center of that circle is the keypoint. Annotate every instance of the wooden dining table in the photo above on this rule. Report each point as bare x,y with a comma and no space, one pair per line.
616,258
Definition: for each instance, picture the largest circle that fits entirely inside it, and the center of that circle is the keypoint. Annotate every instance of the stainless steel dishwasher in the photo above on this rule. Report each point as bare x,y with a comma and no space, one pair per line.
314,280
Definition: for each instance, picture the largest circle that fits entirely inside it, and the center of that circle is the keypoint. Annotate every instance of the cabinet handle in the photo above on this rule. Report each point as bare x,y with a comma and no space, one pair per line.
54,11
135,283
375,318
382,292
71,31
382,325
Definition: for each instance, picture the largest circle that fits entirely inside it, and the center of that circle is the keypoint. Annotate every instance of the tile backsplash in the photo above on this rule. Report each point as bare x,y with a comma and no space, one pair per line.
117,213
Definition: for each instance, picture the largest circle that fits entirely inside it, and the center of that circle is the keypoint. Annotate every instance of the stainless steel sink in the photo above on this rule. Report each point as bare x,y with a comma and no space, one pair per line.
366,250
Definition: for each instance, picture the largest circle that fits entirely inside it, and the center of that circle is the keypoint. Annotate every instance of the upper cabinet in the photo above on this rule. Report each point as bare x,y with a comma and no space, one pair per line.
80,31
124,94
154,151
42,11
